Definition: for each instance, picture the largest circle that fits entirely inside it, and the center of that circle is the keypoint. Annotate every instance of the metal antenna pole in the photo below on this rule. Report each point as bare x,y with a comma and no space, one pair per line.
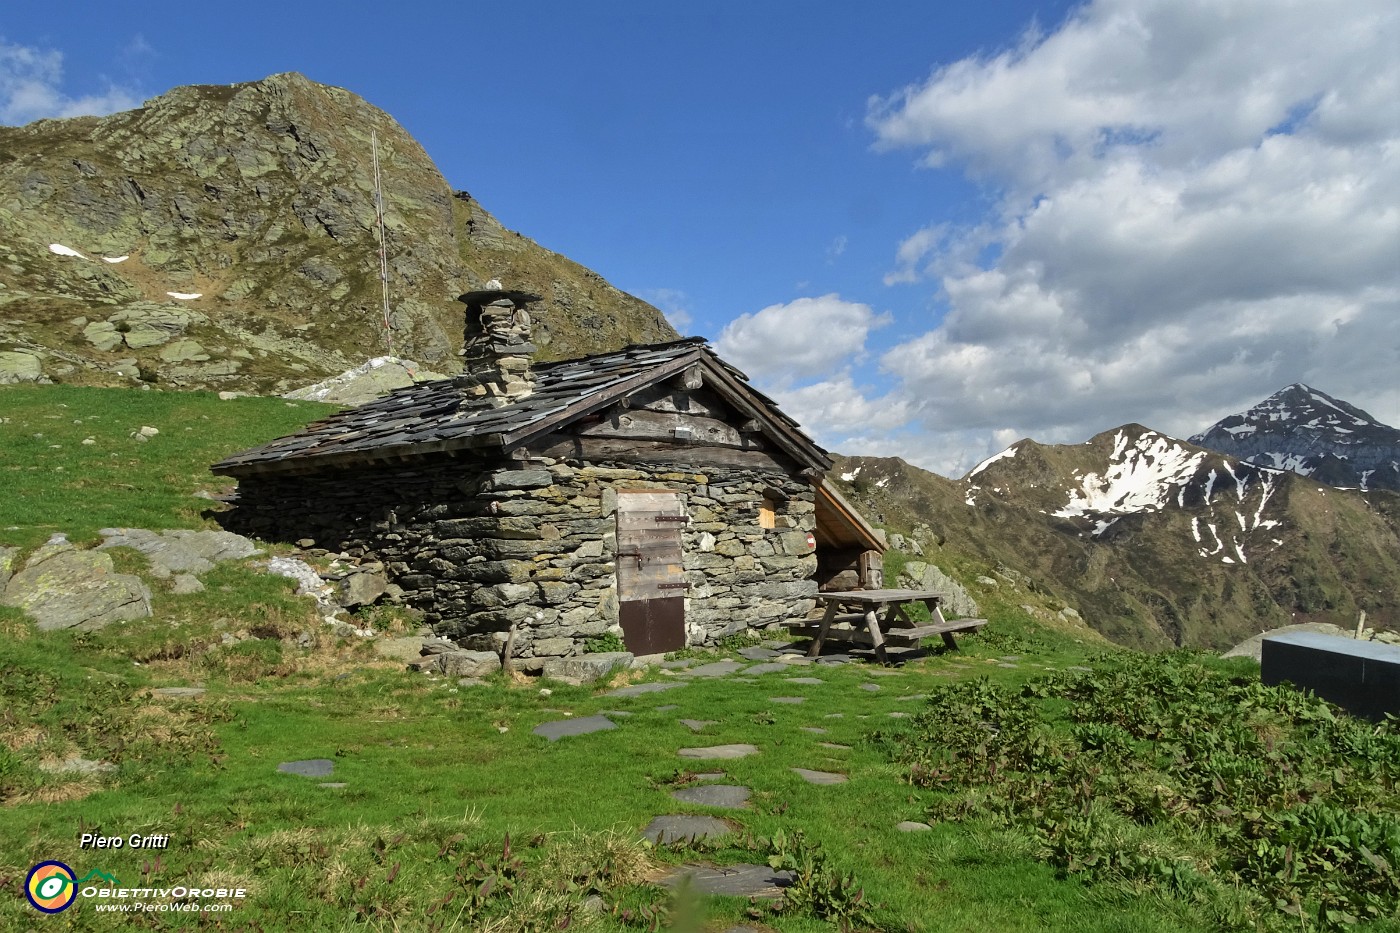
383,247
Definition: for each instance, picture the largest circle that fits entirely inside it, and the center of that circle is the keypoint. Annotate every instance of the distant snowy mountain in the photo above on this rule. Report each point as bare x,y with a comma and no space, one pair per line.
1154,541
1310,433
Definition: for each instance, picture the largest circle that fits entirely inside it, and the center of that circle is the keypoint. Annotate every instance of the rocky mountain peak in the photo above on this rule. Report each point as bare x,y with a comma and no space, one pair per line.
226,237
1306,431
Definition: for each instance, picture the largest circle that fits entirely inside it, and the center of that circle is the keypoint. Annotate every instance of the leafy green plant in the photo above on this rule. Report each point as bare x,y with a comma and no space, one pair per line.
816,889
604,643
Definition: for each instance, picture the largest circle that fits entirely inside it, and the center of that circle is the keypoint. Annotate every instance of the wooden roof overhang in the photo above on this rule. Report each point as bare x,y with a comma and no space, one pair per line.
840,525
432,418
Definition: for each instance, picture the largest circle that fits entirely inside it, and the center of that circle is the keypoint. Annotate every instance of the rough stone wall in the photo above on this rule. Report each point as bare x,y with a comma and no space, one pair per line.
481,549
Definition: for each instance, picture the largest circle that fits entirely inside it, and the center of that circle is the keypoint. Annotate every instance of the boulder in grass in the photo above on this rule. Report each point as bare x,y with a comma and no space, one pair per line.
361,589
587,668
467,663
63,587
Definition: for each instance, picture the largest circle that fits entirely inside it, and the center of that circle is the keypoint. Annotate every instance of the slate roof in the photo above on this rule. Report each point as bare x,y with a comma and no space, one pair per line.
434,417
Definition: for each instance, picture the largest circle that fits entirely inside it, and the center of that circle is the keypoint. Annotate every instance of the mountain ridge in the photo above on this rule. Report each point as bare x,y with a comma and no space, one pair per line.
1154,541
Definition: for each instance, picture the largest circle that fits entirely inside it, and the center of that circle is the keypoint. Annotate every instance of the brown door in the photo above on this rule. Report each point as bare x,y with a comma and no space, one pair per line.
650,573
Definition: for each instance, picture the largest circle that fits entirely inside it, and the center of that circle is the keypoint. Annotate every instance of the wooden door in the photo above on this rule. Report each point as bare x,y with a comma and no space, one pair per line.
650,573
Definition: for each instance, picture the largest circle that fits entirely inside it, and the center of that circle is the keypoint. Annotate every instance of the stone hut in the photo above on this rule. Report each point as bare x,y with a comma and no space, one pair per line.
650,492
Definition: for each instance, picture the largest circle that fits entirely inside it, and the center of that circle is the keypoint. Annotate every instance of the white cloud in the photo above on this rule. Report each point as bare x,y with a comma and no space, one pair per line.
837,247
31,88
805,338
838,406
1198,207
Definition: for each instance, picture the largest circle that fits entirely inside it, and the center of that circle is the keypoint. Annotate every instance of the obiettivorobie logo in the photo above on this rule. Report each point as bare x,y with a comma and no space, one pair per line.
52,886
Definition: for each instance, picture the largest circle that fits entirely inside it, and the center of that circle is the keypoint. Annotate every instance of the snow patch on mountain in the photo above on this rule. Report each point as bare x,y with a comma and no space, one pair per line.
1004,455
1139,478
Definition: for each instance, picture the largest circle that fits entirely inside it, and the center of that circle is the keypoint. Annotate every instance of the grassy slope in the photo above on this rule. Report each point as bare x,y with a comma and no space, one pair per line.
54,482
438,774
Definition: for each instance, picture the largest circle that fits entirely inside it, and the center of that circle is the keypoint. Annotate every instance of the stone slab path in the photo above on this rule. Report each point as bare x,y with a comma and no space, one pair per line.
719,751
561,728
741,880
696,725
665,830
820,777
311,767
636,690
716,669
727,796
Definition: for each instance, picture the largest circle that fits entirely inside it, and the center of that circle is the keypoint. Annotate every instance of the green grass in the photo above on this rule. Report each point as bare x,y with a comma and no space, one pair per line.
426,761
54,482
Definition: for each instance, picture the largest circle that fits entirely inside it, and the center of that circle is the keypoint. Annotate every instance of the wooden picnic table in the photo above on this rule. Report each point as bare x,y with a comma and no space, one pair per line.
862,609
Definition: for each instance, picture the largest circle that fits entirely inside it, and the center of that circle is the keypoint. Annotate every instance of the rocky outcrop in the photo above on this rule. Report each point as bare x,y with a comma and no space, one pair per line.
366,382
917,575
179,551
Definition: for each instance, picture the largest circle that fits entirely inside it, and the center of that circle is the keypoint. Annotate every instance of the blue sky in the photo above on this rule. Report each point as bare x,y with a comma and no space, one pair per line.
928,229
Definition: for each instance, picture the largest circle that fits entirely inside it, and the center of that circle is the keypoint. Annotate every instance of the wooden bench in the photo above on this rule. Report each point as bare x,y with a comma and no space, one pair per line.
851,627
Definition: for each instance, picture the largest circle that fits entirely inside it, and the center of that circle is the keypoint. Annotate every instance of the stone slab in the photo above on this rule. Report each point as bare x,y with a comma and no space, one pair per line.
820,777
814,730
179,693
636,690
766,668
789,700
716,669
870,688
913,826
719,751
804,680
728,796
583,725
665,830
310,767
743,880
695,725
757,654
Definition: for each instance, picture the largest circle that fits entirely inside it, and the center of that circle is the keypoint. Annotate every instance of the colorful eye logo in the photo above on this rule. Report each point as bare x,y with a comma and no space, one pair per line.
50,887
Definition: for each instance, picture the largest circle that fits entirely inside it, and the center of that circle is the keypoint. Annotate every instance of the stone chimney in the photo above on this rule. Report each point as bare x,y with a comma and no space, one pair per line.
496,345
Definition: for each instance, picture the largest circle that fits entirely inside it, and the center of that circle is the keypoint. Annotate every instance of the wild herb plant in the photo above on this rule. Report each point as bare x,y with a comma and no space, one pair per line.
1262,805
